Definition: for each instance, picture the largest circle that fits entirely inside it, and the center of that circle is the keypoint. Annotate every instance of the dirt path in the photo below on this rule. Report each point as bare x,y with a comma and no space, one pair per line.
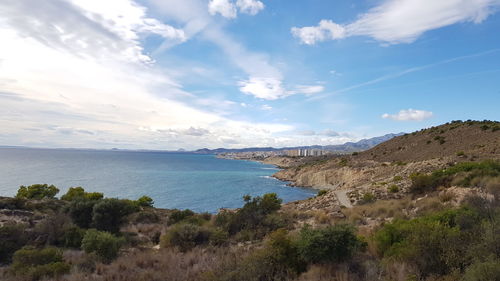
343,199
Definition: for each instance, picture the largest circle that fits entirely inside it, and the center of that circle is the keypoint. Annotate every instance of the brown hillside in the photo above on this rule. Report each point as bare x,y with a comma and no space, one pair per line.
470,140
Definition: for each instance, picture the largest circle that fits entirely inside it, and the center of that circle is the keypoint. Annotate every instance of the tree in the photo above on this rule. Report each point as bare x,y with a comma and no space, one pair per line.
104,244
37,191
12,238
145,201
79,193
109,214
81,212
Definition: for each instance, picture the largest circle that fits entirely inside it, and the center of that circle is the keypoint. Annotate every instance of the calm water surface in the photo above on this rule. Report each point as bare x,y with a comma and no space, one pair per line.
173,180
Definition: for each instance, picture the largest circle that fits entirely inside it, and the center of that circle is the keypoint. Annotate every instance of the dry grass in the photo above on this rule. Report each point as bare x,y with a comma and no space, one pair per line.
379,209
168,264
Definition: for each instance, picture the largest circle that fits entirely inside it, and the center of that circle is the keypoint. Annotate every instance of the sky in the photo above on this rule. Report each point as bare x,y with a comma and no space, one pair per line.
171,74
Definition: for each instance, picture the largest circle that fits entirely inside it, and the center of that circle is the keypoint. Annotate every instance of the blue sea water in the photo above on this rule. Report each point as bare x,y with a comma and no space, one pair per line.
174,180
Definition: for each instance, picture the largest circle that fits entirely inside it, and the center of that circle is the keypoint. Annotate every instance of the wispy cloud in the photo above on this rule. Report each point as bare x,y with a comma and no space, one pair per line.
404,72
400,21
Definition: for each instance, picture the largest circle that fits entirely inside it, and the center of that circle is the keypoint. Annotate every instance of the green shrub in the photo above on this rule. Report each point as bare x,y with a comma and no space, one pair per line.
37,191
397,178
79,193
104,244
368,197
460,153
146,217
72,237
435,244
38,263
252,215
179,215
145,201
331,244
277,260
109,214
185,236
343,162
393,188
81,212
219,237
12,238
322,192
463,174
483,271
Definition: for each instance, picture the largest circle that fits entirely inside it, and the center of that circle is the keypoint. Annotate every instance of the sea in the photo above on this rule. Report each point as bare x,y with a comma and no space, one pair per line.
200,182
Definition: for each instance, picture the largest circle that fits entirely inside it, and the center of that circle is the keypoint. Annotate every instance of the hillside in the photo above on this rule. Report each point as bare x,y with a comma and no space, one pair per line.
372,171
475,139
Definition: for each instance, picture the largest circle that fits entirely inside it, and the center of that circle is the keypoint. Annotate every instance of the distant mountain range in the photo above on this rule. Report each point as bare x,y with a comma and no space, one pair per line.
347,147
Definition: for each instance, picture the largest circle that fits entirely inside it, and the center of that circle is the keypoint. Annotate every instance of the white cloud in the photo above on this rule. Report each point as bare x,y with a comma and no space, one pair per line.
225,8
263,88
266,107
409,115
326,30
251,7
86,28
401,21
306,133
269,88
229,9
78,79
330,133
309,89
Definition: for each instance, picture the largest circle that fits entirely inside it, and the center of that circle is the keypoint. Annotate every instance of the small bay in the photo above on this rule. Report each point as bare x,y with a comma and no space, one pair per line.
203,183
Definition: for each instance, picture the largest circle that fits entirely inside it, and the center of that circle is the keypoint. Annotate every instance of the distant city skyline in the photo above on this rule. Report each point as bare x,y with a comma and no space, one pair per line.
170,74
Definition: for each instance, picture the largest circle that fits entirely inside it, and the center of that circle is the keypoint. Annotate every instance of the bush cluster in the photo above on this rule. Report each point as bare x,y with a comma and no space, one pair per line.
463,174
104,244
459,240
37,191
35,263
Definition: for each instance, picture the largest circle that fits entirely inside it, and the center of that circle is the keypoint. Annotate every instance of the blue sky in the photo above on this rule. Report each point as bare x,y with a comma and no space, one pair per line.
169,74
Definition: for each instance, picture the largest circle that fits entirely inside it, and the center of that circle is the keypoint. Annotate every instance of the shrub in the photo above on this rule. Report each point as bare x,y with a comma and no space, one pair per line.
109,214
343,162
393,188
322,192
146,217
104,244
435,244
179,215
37,191
397,178
460,153
331,244
185,236
37,263
79,193
252,215
368,197
81,211
464,174
72,237
12,238
219,237
277,260
145,201
482,271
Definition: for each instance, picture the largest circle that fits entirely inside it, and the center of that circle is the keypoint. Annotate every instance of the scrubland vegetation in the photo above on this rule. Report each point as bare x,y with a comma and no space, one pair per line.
422,236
